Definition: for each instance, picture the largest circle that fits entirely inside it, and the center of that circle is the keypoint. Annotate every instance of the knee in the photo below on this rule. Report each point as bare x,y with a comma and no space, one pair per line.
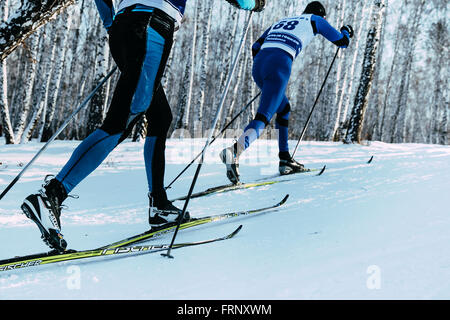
160,126
282,118
264,118
113,125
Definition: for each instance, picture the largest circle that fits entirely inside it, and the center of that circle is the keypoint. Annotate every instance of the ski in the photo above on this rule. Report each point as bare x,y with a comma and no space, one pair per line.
320,172
226,188
239,186
55,257
191,223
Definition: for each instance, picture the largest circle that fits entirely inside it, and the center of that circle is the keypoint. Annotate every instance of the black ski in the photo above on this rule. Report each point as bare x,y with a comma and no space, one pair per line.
48,258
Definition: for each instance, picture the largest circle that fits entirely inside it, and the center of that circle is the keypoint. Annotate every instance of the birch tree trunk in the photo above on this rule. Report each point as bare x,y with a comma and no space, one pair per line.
391,75
186,91
399,117
55,83
344,98
370,54
97,104
228,52
438,43
235,89
204,54
333,89
29,85
45,86
4,108
26,136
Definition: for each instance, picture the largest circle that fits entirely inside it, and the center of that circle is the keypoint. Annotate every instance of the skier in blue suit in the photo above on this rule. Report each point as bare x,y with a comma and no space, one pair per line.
140,39
274,53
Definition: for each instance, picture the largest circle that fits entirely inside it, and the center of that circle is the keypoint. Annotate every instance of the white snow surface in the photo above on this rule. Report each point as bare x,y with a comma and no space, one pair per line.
359,231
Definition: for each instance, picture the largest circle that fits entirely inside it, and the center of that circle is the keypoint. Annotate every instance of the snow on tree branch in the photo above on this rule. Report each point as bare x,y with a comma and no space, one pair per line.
26,20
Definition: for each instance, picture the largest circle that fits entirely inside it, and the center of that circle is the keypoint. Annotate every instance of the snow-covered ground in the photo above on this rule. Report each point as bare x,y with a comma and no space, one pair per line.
359,231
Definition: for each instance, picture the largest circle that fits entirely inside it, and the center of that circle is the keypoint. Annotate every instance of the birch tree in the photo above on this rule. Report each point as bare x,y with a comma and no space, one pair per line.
204,55
370,53
399,117
438,42
4,108
347,83
184,105
225,66
97,104
56,80
29,86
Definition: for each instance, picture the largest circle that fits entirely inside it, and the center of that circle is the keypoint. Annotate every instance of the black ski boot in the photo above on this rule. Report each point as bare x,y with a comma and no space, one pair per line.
288,165
230,158
164,213
44,209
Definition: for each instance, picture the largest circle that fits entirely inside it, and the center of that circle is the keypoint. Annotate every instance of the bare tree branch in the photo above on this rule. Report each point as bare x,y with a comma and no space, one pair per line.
26,20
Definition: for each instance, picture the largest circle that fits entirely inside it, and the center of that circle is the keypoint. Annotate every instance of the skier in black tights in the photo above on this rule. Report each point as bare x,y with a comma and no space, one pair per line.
140,39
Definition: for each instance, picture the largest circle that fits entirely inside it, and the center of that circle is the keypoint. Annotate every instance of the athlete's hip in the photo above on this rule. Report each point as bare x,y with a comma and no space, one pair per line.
272,63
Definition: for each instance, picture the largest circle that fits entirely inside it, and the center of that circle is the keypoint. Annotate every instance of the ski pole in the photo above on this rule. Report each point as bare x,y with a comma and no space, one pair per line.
214,139
219,110
314,106
64,125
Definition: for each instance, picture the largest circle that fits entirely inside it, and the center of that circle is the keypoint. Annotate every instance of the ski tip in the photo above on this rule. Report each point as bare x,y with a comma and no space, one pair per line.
322,170
370,160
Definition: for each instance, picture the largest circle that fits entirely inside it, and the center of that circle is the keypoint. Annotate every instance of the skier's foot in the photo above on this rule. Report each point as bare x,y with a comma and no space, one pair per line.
44,209
288,165
231,160
164,215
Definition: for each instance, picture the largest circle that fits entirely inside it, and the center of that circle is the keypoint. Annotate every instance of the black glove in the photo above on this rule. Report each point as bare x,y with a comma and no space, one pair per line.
259,5
349,29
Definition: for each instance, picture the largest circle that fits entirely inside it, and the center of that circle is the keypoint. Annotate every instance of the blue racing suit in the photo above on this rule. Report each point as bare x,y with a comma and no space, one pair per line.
274,53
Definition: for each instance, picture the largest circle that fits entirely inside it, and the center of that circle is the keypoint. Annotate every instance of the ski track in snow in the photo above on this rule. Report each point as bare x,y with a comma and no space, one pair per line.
391,215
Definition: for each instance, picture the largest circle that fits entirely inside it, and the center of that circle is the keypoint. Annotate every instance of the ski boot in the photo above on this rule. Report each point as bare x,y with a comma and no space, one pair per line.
165,215
287,165
44,209
230,158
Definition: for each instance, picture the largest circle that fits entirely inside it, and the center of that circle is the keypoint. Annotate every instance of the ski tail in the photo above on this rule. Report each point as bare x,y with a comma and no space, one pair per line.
190,244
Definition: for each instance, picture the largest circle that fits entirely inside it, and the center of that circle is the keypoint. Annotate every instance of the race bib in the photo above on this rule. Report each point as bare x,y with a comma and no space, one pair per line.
290,34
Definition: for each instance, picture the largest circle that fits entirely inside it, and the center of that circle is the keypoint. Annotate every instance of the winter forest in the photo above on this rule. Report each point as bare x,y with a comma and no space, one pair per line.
390,85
